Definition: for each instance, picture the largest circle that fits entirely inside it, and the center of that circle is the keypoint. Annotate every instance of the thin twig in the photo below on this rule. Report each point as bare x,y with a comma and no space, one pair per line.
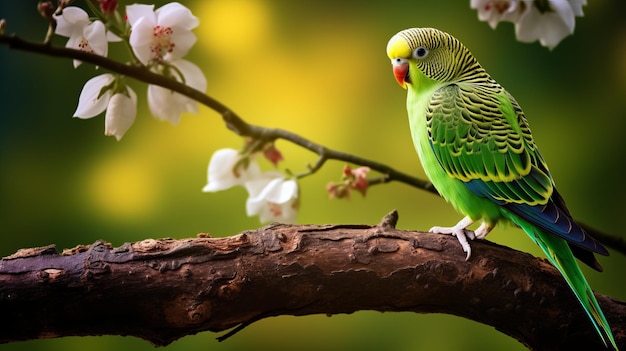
233,122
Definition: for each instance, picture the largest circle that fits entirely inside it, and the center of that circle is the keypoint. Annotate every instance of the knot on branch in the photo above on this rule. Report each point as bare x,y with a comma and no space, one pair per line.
389,221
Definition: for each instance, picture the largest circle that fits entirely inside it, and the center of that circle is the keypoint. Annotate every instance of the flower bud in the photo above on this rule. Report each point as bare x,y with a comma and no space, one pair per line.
46,9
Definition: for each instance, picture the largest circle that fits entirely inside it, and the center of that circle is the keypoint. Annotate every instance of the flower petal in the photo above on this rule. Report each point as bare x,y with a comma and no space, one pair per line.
495,11
281,191
192,73
184,41
140,39
167,105
256,185
120,114
63,28
577,6
176,15
71,21
112,37
277,201
95,35
75,24
194,78
137,11
164,104
90,103
550,27
163,34
222,174
564,15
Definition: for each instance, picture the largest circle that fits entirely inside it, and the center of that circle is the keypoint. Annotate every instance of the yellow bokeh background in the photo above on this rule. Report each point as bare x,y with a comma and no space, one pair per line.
318,69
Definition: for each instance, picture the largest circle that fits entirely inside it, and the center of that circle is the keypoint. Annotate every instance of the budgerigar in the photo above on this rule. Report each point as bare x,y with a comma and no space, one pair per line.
476,148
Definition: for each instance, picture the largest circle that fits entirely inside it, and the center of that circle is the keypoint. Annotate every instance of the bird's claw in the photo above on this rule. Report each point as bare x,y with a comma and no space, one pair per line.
461,234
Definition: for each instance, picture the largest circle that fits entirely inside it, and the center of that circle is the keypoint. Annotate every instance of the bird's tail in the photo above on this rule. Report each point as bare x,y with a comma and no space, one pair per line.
560,255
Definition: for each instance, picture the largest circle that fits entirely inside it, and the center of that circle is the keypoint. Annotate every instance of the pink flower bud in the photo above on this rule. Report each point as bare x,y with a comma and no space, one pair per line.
46,9
272,154
108,6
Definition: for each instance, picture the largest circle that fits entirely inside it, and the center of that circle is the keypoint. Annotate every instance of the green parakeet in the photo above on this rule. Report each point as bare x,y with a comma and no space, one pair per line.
476,148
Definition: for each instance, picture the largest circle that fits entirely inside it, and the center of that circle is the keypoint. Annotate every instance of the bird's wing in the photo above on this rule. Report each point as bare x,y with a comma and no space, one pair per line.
480,136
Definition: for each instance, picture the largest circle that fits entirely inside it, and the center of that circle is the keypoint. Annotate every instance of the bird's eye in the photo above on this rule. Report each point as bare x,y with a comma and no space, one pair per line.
420,52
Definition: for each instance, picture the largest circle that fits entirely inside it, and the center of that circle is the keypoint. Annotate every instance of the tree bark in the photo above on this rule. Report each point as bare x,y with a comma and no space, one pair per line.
161,290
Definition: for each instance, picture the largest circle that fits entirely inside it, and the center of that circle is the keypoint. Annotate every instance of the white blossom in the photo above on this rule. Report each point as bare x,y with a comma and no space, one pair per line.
273,198
83,34
120,114
160,38
270,196
167,105
550,26
227,170
164,34
548,21
577,6
98,95
92,101
495,11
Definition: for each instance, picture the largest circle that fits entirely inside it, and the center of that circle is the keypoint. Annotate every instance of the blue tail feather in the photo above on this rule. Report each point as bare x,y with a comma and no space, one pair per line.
561,256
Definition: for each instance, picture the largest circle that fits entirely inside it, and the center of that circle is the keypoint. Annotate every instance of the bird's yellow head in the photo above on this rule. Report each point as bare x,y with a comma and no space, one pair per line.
399,51
419,55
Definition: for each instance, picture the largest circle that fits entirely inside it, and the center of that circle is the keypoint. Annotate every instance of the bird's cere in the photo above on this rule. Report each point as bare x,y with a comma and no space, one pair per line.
400,70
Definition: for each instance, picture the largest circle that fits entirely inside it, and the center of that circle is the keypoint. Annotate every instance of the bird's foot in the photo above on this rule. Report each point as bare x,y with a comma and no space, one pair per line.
461,232
483,230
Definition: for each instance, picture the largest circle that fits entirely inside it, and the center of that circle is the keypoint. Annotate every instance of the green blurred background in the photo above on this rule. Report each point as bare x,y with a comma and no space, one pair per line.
319,69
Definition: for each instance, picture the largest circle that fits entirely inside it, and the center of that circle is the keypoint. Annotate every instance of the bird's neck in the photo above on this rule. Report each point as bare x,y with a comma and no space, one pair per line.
417,104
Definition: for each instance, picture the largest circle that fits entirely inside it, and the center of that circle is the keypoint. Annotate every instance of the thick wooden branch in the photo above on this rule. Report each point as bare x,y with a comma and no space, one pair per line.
161,290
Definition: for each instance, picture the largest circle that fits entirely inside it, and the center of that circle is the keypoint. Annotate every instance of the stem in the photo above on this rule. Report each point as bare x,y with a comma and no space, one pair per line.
233,121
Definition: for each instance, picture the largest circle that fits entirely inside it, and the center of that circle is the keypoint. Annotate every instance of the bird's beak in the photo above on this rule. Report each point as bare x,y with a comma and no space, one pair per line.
400,71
